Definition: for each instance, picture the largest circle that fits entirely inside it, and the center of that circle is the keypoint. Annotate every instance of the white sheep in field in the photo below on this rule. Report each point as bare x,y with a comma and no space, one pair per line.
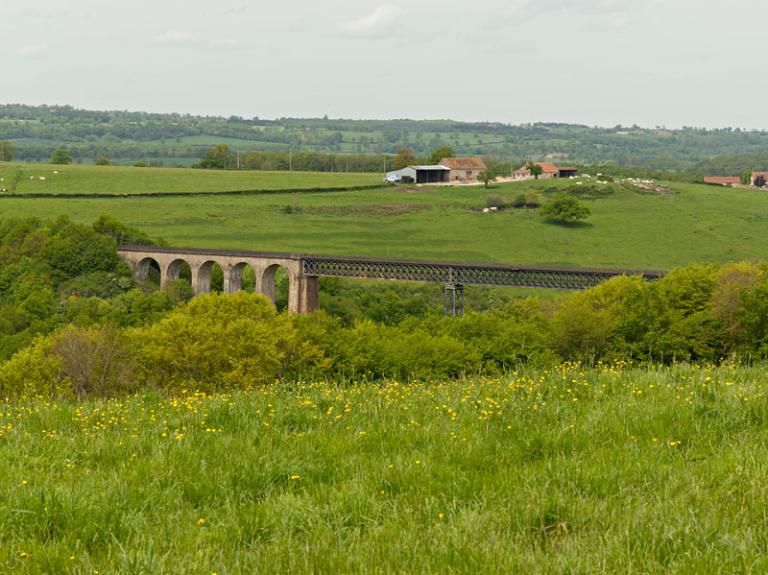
42,178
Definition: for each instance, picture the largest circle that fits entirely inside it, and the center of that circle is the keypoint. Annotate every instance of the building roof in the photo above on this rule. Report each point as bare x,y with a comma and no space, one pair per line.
463,163
756,174
722,180
547,167
435,167
568,168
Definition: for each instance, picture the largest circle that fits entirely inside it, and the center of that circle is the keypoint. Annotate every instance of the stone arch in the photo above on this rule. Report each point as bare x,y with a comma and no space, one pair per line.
209,278
177,269
242,276
276,285
148,271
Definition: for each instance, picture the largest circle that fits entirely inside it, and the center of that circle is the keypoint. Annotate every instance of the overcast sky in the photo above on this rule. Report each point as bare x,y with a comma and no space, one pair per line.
596,62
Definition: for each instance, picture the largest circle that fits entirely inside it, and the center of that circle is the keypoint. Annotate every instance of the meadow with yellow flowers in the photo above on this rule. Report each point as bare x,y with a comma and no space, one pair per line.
609,469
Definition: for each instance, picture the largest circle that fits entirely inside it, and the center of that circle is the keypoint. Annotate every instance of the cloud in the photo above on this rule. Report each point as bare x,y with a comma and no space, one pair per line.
375,23
174,37
616,11
32,50
236,10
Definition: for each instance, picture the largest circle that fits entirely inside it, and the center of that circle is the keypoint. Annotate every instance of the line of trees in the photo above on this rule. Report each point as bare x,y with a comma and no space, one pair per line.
222,157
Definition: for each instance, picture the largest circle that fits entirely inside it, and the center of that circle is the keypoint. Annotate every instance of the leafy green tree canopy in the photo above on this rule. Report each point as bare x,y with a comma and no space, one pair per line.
440,153
6,151
404,158
535,169
564,208
220,157
487,176
61,156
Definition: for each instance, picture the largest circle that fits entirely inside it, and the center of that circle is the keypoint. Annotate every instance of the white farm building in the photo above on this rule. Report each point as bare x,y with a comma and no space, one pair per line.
419,175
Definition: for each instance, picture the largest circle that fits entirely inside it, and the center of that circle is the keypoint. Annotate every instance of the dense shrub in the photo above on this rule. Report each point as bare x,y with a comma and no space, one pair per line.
95,360
564,208
222,341
495,201
528,199
34,370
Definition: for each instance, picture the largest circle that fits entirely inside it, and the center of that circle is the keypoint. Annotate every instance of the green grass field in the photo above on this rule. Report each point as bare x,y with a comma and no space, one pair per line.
569,471
627,229
121,180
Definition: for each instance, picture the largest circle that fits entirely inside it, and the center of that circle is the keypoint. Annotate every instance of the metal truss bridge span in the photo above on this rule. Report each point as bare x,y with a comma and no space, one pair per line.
463,274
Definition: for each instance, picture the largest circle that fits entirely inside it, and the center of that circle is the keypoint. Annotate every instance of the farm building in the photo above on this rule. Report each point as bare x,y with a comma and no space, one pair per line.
548,171
567,172
419,175
723,180
463,169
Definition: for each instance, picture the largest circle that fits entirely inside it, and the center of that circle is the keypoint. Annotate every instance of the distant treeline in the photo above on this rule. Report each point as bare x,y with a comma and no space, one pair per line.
223,158
169,139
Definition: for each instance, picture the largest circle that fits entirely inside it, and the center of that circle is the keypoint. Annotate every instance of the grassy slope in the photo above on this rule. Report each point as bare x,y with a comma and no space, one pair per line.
626,230
578,472
128,180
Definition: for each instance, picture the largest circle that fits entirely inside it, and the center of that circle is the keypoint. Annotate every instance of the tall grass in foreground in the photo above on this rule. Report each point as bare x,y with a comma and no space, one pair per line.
584,471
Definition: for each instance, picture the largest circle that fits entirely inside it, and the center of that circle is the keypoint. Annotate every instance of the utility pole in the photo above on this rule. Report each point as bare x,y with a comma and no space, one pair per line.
290,159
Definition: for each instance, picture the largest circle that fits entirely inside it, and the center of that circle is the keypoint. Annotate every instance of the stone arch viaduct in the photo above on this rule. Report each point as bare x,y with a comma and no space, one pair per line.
304,270
303,291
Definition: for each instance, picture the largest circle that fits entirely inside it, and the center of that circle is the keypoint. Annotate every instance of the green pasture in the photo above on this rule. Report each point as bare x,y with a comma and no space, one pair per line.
628,229
568,471
122,180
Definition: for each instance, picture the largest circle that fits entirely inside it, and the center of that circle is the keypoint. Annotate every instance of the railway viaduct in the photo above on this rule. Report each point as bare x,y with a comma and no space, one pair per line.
305,270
